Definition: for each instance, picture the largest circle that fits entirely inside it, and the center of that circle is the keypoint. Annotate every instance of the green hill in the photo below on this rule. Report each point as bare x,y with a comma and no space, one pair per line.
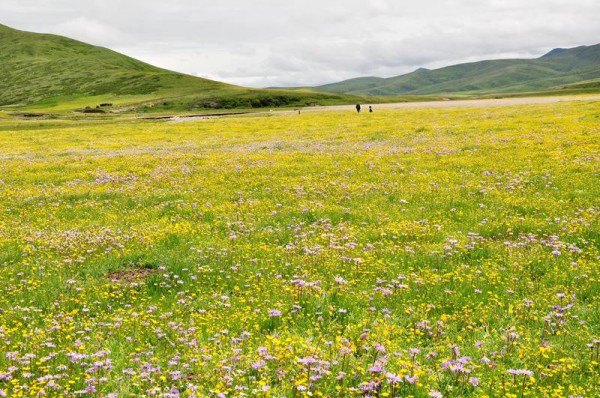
53,71
560,67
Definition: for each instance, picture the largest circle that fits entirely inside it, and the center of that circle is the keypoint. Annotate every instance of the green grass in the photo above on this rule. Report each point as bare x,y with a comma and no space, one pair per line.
145,258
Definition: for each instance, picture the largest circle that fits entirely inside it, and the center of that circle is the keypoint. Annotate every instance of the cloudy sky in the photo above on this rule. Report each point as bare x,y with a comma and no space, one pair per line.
264,43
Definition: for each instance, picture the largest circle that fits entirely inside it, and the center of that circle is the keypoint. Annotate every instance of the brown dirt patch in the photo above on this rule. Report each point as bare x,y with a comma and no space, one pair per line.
130,275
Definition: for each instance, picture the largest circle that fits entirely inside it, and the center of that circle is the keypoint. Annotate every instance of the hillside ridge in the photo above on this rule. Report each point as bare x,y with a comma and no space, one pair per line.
55,71
559,67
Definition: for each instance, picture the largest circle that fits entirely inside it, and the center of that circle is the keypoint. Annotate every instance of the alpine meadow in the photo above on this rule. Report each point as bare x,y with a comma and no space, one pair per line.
311,255
165,235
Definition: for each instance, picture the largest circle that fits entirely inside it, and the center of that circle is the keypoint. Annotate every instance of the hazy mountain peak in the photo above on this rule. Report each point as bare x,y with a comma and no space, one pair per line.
555,52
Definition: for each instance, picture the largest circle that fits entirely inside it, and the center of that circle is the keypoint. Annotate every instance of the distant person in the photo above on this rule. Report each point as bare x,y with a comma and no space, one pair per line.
370,109
358,108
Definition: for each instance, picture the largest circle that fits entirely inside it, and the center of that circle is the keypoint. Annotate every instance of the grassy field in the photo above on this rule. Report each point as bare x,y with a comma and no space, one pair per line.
412,253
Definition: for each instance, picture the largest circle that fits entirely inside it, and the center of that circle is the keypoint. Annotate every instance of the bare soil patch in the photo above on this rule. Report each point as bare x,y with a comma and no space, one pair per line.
131,275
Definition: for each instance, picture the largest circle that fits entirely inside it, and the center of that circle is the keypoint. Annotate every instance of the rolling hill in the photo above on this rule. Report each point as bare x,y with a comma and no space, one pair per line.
53,71
556,69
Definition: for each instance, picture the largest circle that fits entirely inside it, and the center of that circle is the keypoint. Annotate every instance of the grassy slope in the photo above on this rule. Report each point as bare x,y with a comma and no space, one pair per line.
503,76
357,84
45,71
38,66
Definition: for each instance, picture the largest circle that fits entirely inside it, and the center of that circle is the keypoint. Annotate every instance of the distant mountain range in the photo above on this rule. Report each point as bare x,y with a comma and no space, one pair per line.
558,68
53,70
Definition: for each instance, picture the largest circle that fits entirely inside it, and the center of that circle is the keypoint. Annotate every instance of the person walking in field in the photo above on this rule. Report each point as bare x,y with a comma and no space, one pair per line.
358,108
370,109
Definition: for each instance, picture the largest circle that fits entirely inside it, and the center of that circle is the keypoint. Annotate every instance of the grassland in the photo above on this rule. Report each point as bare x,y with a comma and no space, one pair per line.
412,253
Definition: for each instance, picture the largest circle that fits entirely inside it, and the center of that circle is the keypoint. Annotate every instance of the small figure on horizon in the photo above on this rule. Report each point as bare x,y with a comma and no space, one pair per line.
370,109
358,108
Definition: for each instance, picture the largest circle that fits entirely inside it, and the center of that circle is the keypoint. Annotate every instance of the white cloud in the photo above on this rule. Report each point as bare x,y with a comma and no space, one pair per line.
305,42
89,30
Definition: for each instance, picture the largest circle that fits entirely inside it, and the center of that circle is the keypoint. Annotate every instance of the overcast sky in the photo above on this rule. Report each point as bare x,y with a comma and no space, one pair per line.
307,42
